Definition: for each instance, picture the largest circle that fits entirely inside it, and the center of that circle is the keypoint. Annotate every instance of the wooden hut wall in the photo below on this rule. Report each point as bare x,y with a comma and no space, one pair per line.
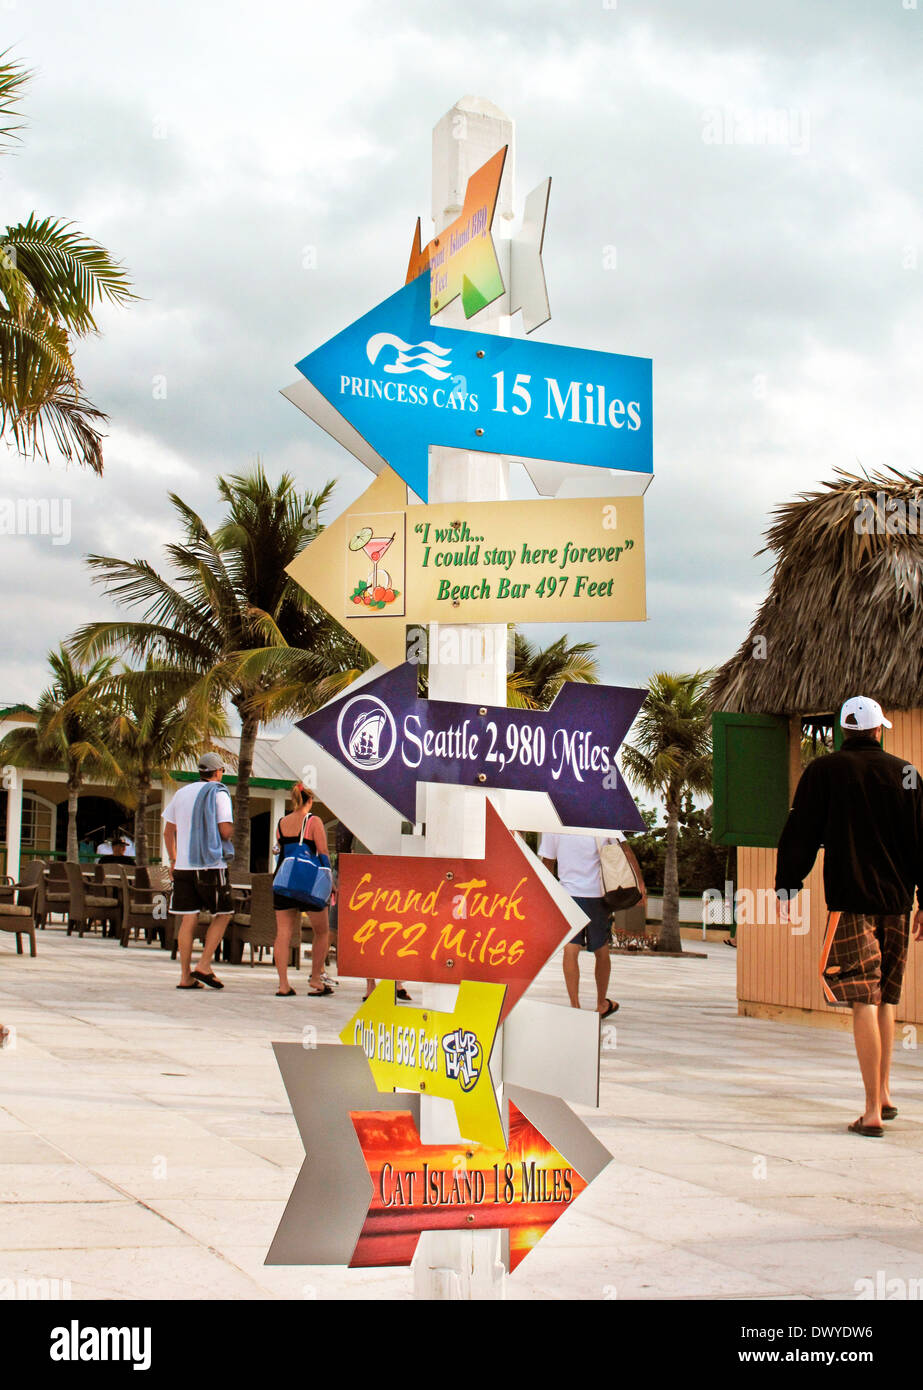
777,969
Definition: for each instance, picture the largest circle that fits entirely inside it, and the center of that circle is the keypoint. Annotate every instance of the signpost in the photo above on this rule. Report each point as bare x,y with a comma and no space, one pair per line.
439,1054
444,920
397,740
448,409
382,564
404,384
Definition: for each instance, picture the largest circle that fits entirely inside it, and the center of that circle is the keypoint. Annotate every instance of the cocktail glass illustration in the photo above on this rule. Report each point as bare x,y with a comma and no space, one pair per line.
377,590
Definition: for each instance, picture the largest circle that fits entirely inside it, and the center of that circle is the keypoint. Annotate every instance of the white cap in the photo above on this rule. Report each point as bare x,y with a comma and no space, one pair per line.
862,713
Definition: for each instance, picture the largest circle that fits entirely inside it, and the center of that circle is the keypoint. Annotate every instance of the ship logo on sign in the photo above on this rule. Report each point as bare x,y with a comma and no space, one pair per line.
427,357
366,732
463,1057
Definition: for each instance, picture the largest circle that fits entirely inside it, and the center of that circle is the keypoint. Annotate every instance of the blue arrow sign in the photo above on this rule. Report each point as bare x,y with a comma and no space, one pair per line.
392,740
403,383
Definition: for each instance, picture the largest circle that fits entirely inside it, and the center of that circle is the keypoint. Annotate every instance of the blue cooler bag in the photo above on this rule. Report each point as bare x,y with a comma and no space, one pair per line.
305,876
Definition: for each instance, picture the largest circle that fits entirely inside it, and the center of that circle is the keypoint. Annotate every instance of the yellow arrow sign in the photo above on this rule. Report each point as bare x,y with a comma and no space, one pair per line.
436,1054
383,564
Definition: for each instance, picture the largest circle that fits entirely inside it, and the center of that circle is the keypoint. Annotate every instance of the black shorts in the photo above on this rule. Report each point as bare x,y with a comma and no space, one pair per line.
283,904
200,890
597,931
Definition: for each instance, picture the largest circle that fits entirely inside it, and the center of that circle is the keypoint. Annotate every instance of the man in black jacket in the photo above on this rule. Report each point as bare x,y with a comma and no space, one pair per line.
866,808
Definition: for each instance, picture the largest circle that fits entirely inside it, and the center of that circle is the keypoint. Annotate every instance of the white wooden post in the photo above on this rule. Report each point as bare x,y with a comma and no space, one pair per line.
466,663
14,824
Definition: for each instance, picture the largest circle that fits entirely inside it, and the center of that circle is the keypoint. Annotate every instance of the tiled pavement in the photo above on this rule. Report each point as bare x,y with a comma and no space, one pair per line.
147,1147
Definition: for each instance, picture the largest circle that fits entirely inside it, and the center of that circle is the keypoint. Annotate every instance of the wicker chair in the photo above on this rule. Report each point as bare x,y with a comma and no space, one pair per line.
106,905
256,925
25,911
57,889
148,900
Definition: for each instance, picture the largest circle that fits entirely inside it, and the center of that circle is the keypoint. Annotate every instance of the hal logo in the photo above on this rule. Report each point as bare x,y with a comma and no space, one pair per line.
463,1057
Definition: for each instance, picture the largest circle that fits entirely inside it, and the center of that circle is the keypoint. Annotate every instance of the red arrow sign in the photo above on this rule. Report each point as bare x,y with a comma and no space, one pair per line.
450,1187
448,920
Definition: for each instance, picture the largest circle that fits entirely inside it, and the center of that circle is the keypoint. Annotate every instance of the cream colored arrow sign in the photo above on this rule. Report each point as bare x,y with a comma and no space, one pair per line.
382,564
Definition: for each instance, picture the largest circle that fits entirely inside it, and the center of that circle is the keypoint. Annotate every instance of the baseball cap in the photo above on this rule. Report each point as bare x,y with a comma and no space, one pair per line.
210,762
862,713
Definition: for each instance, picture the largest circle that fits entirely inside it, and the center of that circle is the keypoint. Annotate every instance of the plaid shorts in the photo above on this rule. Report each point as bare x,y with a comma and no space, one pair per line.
863,958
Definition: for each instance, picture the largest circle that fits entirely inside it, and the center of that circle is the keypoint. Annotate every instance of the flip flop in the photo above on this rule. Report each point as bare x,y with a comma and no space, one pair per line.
401,994
319,993
284,993
195,985
210,980
889,1112
610,1009
868,1131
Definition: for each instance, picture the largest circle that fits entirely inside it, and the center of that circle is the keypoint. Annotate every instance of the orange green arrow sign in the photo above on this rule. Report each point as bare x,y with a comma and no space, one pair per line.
437,1054
462,260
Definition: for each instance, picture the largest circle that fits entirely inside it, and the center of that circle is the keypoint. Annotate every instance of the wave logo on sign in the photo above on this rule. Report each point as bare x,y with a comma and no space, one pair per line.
426,357
463,1057
366,732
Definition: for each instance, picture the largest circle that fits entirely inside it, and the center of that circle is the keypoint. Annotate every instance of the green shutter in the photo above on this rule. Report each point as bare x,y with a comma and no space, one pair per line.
750,775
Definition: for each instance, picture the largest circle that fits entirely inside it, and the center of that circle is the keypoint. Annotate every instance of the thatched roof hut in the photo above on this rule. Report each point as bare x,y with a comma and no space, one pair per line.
844,614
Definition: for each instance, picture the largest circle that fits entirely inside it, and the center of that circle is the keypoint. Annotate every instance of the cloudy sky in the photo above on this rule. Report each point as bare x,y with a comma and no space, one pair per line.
757,170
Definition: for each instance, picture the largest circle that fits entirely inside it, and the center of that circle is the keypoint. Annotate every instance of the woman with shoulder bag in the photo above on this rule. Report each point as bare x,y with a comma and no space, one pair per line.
299,827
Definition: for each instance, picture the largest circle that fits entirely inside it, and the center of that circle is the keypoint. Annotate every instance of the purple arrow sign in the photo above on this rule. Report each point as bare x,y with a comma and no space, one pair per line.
392,739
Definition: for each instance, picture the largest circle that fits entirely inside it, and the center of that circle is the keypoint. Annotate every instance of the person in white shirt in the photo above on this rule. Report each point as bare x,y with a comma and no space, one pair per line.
200,878
579,873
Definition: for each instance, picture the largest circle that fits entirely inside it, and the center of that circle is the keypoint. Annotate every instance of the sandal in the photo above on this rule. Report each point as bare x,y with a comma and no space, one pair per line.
889,1112
867,1131
211,980
318,993
401,993
609,1009
195,985
284,993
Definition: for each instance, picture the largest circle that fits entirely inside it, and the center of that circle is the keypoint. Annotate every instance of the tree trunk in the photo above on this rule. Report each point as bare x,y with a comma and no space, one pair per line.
248,731
73,847
143,790
670,939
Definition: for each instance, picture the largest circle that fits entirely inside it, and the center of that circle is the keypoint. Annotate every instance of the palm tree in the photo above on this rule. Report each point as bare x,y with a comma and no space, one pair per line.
149,731
538,674
51,278
234,619
671,757
63,737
